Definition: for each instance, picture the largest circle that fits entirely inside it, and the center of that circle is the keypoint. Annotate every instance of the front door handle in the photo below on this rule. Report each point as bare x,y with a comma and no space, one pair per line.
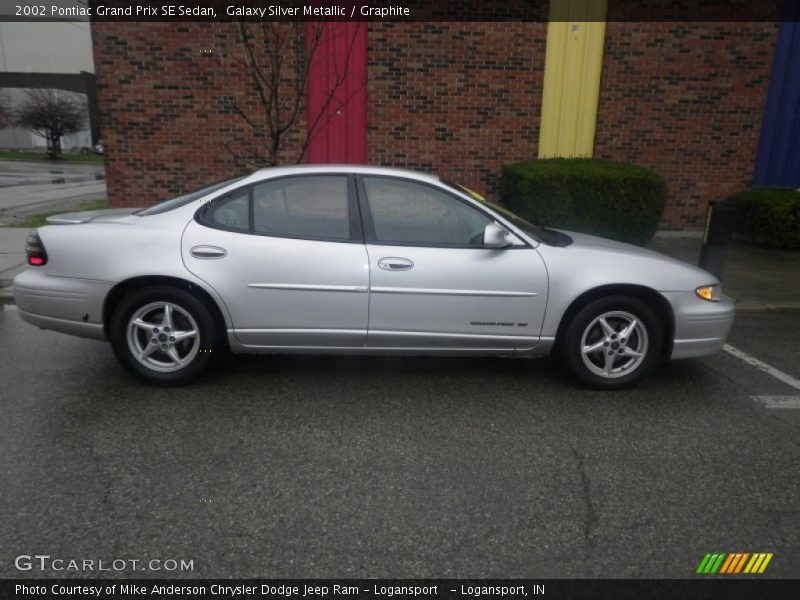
207,252
393,263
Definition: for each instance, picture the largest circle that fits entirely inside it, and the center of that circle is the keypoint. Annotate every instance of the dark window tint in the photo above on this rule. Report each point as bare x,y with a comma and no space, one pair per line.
411,213
231,212
548,236
309,206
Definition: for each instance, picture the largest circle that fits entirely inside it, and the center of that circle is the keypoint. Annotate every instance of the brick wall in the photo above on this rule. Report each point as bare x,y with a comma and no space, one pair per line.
457,99
167,121
686,100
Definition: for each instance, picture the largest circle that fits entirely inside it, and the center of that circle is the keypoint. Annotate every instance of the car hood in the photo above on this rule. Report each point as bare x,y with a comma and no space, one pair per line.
108,215
592,242
603,262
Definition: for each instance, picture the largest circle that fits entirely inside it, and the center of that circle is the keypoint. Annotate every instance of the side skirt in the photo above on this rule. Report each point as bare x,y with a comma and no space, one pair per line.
540,348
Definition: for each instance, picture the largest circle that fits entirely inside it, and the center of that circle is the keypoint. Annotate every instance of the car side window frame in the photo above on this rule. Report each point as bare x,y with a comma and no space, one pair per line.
368,226
202,215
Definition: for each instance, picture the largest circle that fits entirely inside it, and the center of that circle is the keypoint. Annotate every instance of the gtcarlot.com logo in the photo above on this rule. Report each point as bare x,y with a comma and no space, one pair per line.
45,562
734,563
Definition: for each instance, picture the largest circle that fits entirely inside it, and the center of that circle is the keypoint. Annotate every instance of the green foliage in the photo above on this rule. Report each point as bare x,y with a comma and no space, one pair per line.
611,199
64,157
769,217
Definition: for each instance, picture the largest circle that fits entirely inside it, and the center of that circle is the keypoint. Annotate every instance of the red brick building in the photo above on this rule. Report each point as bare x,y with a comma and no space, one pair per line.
459,99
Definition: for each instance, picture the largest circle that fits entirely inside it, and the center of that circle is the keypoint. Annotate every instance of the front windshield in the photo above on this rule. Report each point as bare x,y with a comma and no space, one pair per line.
185,199
540,233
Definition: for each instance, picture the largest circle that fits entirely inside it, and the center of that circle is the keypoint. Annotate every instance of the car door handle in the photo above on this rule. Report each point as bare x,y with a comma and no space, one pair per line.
392,263
208,252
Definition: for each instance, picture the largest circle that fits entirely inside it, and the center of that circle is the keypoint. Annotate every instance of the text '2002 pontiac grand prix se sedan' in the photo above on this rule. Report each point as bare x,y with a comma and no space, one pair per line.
346,259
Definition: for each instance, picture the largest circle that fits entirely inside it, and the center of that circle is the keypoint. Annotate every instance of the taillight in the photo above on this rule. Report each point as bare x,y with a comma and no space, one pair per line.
34,248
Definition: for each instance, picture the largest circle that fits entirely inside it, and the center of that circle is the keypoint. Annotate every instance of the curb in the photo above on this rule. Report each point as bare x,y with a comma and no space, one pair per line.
6,297
672,234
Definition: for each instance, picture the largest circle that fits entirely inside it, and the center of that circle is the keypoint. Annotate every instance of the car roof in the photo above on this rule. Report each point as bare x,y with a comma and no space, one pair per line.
270,172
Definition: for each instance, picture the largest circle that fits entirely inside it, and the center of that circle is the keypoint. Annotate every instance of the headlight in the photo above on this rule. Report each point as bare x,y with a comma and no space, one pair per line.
711,293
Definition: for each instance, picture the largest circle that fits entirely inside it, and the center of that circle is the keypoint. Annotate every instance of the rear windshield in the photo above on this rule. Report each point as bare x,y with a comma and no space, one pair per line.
547,236
185,199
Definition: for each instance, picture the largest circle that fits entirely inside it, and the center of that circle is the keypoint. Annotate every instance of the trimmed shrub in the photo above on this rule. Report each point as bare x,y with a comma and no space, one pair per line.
611,199
769,217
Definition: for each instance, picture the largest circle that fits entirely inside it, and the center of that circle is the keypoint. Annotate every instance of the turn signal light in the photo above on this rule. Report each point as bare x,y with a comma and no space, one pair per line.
34,249
708,292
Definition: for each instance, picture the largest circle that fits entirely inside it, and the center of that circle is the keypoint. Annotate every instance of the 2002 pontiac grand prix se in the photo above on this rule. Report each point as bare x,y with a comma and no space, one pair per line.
323,259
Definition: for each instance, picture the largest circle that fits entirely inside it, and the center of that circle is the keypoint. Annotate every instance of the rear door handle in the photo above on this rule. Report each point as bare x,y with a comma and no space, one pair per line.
393,263
208,252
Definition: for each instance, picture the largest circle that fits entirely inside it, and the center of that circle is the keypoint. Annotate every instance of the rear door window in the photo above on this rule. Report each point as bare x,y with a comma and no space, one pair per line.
307,207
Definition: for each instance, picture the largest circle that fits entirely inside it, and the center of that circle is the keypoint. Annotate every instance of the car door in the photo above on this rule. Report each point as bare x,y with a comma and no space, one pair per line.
287,257
433,283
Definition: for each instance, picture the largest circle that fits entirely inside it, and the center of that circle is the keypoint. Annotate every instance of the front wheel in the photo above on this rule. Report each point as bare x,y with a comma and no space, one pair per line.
613,342
163,335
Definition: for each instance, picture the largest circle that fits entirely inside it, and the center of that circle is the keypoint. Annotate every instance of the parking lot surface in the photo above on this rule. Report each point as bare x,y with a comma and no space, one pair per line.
398,467
30,187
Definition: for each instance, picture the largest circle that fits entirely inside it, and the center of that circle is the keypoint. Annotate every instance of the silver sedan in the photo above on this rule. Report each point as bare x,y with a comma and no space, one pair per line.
348,259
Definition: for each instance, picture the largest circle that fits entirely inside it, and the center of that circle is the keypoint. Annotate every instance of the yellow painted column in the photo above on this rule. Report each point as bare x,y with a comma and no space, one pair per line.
573,63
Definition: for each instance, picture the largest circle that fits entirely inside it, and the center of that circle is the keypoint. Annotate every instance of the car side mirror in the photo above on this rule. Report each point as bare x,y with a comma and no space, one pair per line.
496,236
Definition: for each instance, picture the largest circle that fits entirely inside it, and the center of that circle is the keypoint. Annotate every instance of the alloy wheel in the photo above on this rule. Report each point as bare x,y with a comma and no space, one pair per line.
163,337
614,344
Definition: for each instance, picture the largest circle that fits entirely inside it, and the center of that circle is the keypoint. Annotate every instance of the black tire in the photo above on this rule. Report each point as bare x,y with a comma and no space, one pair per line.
182,303
625,370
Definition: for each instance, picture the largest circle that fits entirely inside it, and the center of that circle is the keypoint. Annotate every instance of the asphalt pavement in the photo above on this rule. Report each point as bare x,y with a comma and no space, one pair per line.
29,187
12,255
756,278
407,467
398,467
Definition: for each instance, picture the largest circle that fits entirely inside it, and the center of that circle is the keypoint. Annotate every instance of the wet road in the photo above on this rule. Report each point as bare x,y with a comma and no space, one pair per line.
37,186
404,467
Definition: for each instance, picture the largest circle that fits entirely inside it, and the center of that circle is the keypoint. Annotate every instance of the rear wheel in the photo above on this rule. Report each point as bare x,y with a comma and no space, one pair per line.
164,335
613,342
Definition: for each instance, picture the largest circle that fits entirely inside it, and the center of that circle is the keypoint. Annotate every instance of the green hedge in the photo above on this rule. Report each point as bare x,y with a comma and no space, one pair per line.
611,199
769,217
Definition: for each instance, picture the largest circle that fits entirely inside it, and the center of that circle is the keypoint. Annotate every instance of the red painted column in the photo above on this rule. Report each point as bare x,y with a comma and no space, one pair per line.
337,93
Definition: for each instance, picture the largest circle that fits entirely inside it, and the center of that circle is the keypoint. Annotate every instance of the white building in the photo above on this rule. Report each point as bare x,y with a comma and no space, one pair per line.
61,47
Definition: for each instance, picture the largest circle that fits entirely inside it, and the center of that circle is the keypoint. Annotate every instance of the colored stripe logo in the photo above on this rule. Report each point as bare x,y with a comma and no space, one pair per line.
734,563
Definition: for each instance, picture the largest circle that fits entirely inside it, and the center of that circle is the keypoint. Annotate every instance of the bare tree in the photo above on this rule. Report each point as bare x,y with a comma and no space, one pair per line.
4,114
51,114
265,76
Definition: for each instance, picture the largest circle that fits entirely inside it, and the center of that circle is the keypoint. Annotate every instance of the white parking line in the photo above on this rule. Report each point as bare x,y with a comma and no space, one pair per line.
778,401
768,369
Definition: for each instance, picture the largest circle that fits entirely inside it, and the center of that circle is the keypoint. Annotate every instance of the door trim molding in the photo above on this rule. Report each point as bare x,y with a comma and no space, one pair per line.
310,287
448,292
452,336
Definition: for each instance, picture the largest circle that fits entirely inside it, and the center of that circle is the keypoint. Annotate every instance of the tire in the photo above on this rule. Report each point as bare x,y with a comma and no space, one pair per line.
589,329
141,317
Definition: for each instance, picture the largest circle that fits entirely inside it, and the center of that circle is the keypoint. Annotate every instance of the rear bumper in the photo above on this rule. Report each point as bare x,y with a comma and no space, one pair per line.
701,327
68,305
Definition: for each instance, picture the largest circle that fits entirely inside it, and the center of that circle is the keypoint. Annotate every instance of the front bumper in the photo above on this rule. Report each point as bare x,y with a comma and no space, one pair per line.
701,327
65,304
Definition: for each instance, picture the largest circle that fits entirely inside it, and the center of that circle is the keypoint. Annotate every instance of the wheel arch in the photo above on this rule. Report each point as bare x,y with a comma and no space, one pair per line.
120,290
655,300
